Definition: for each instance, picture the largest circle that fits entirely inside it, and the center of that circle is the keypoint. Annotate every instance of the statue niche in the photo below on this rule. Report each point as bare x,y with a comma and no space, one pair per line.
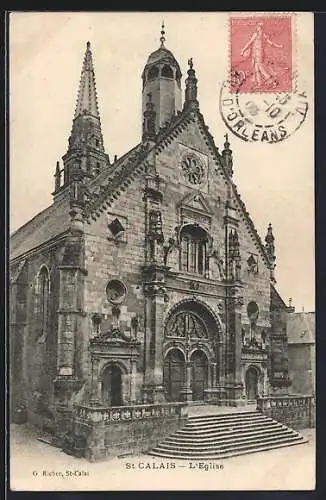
216,265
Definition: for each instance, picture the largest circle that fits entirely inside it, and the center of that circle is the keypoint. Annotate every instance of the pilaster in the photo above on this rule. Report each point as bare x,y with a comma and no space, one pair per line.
70,317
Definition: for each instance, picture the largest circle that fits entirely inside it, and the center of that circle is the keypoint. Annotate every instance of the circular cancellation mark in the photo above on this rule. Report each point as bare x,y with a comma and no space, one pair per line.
262,117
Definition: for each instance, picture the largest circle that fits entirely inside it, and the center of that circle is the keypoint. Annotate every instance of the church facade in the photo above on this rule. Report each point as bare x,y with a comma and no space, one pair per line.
145,281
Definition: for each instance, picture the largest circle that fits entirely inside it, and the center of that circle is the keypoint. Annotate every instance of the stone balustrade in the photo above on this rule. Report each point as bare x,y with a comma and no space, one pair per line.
297,411
98,413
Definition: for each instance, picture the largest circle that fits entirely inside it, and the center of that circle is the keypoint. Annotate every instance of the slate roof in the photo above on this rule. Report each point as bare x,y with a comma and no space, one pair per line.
301,328
162,55
49,223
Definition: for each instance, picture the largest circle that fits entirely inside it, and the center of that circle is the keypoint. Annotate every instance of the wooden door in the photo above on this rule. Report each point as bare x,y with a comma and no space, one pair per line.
199,375
112,386
251,384
173,375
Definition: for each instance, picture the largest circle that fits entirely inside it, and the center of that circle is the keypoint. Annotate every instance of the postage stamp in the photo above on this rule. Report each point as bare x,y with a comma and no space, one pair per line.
261,53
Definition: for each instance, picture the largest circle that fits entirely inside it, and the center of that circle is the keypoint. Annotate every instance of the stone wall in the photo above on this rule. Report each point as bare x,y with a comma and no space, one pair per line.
108,257
302,368
34,355
295,411
128,430
214,189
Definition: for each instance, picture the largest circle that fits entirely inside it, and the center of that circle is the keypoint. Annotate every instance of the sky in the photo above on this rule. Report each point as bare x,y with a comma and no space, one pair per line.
276,181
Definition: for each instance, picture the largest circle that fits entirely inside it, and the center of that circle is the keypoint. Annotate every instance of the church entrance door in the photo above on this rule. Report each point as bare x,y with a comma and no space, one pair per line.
112,385
199,375
173,375
252,383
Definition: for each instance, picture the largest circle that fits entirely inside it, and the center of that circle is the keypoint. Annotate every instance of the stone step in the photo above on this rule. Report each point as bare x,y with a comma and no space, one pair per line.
212,423
228,454
211,437
225,436
224,443
228,449
211,430
223,416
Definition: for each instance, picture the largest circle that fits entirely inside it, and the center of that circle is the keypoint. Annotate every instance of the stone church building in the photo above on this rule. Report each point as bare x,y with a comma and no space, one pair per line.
145,281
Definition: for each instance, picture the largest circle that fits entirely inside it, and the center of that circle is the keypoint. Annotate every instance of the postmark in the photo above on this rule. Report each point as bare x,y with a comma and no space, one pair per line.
261,53
266,118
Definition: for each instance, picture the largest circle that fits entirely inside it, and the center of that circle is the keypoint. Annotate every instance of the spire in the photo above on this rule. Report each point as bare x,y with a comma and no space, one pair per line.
86,128
227,157
191,87
162,39
87,98
86,140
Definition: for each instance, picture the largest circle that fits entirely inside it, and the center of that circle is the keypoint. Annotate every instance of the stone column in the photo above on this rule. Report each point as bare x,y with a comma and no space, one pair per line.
153,390
213,374
95,393
186,391
133,381
234,347
220,371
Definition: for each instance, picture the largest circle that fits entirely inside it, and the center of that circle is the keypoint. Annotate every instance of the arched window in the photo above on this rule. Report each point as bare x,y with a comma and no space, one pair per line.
153,73
194,250
97,169
167,71
42,300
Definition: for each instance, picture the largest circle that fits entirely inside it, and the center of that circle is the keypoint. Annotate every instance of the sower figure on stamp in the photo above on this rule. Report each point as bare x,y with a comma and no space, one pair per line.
257,44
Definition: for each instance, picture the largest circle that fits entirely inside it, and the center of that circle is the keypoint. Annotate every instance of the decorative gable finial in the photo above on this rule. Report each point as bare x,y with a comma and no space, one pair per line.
57,177
270,250
162,39
227,157
191,86
149,120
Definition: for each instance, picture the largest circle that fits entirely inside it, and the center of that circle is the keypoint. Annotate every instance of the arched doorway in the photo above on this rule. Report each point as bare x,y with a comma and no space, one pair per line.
112,385
173,374
252,383
199,375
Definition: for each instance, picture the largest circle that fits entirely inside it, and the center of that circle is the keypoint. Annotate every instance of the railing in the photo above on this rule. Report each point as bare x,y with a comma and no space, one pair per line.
295,410
129,413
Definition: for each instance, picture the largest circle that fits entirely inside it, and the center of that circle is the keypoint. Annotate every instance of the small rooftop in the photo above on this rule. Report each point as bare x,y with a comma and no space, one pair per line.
301,328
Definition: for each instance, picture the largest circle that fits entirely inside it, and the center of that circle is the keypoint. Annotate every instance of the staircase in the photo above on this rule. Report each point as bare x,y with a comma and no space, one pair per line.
226,435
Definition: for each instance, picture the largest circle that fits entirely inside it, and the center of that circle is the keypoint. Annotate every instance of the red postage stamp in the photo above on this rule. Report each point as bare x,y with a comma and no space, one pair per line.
261,54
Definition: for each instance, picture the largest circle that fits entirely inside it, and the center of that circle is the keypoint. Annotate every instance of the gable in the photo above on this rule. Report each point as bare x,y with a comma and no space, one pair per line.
196,201
192,133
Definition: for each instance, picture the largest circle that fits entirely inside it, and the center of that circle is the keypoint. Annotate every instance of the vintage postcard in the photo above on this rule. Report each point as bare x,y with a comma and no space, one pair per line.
162,309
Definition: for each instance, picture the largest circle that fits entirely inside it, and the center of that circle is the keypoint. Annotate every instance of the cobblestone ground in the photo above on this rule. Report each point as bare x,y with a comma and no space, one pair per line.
36,466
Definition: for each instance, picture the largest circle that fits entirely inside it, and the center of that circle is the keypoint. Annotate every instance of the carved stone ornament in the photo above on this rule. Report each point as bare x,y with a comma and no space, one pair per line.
192,168
186,324
114,334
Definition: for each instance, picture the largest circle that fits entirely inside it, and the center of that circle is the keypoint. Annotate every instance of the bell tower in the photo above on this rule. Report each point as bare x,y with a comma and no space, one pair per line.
162,81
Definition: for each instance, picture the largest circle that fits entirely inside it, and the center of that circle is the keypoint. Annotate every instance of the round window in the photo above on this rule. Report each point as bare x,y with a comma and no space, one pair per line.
192,169
115,291
252,311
